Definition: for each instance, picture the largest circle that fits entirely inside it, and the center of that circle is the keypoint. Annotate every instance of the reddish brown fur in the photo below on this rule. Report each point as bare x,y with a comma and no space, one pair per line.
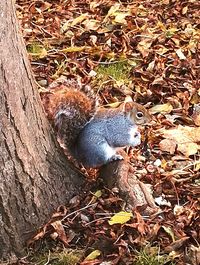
63,96
79,106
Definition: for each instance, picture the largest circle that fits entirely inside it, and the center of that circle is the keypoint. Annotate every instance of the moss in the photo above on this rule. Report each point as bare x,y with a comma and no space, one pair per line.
65,257
117,73
151,256
36,50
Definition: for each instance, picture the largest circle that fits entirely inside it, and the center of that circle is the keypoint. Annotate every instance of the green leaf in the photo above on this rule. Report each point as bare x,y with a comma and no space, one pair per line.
98,193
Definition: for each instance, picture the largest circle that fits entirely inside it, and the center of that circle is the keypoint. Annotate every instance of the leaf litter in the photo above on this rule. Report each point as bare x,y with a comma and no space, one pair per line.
158,42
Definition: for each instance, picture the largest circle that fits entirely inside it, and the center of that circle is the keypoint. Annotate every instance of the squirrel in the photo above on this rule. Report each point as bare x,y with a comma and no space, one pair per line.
92,135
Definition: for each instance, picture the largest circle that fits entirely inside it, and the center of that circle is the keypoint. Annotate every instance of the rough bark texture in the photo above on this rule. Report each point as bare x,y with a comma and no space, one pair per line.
120,175
34,175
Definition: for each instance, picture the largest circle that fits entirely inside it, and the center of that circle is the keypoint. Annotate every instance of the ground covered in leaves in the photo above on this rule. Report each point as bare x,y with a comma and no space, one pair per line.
148,50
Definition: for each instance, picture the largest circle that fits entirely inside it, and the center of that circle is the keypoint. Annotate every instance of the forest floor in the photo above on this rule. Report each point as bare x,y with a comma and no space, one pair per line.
148,50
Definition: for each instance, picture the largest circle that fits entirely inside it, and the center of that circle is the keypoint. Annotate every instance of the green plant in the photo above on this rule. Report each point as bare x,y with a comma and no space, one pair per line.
118,73
151,256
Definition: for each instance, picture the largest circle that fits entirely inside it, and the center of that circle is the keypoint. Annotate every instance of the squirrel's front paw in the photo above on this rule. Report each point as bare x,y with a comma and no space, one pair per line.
116,157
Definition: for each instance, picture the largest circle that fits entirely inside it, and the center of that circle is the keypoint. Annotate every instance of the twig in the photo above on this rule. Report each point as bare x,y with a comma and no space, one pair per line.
79,210
98,219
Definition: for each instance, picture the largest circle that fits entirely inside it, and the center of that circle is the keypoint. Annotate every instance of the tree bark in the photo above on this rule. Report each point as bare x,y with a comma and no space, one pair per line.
136,194
34,175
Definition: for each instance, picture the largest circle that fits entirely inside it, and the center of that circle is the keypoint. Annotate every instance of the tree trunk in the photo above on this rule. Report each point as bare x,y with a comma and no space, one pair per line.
34,175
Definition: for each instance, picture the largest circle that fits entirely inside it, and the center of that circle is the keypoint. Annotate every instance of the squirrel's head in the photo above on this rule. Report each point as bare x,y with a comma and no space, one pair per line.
137,113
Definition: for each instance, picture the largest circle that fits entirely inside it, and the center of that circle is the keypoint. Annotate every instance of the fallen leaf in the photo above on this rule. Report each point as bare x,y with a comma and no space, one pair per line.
161,26
151,66
169,231
73,49
113,9
91,24
38,236
180,54
120,17
144,46
186,138
120,218
196,114
184,10
79,19
193,255
57,225
93,255
176,245
98,193
43,53
90,262
168,145
161,108
158,81
141,223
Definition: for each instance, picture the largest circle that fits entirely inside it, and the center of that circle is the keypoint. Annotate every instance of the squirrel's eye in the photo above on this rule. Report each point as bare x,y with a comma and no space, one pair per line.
139,115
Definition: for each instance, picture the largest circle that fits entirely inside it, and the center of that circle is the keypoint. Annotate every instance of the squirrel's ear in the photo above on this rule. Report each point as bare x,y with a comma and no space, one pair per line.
128,106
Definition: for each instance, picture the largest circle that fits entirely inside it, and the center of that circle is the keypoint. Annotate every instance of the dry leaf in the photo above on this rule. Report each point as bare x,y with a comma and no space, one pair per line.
79,19
43,53
57,225
158,81
151,66
93,255
176,245
91,24
184,10
168,145
169,231
185,137
180,54
120,218
120,17
196,114
161,108
73,49
144,46
113,9
193,255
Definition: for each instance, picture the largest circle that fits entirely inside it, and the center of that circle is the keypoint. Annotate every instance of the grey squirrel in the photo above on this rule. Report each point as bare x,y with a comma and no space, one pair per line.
92,134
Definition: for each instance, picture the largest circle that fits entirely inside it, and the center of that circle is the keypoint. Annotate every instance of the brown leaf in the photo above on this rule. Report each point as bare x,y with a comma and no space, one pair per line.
168,145
158,81
185,137
38,236
57,225
141,223
144,46
196,114
176,244
193,255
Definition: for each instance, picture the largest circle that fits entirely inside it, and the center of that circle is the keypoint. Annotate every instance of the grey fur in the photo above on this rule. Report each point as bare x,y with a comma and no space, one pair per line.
98,141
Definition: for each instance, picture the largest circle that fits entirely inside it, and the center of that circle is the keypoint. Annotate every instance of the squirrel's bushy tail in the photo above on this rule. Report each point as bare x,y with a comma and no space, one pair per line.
69,106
